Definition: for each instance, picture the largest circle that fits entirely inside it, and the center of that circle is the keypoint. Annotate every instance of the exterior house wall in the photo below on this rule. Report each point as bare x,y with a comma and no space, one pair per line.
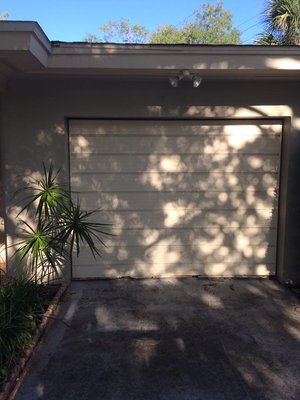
35,128
2,199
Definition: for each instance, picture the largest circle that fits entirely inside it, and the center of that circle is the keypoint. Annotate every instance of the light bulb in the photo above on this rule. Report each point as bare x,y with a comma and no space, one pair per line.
174,81
197,81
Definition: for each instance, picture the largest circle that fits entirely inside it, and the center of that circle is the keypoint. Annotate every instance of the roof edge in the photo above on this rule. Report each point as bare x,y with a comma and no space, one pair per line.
32,27
27,49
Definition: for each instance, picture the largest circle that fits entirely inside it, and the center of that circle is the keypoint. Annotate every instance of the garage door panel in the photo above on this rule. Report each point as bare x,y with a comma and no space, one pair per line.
142,268
137,201
171,145
205,181
174,128
169,252
226,236
92,163
183,197
188,218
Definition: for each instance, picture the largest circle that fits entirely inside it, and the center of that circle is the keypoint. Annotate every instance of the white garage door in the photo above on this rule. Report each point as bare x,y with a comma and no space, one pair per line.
184,197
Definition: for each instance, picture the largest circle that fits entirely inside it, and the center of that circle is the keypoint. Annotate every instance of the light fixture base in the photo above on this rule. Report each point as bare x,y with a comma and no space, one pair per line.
185,74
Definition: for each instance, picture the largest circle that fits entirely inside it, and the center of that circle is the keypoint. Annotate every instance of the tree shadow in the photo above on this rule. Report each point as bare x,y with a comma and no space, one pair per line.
153,98
185,197
186,338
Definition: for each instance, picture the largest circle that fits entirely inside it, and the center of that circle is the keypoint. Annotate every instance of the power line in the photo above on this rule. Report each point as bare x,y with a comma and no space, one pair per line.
241,24
195,11
249,39
247,20
252,26
185,19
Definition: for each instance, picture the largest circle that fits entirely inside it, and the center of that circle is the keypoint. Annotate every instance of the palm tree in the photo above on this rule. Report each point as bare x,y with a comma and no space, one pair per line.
282,23
60,227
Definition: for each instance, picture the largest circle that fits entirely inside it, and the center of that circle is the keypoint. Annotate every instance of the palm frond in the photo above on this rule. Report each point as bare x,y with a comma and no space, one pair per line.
267,39
48,194
282,20
60,227
77,227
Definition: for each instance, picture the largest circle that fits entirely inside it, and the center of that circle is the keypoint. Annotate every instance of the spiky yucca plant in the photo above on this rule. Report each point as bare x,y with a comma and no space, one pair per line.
60,227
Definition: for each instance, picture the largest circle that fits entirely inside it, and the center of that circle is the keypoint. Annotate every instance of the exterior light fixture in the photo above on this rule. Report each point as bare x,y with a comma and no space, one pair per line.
196,81
174,80
185,74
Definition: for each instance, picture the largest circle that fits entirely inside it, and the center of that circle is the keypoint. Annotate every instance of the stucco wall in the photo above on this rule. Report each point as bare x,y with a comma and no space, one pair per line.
2,199
34,126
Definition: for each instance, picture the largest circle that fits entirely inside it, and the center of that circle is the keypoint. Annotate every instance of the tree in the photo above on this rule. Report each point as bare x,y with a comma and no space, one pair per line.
120,31
169,34
211,24
3,16
268,39
282,23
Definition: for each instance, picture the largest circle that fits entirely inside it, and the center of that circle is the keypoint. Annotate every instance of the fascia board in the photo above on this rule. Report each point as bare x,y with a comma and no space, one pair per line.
26,40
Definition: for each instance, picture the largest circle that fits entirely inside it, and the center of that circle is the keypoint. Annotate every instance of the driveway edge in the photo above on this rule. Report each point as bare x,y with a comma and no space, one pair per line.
19,372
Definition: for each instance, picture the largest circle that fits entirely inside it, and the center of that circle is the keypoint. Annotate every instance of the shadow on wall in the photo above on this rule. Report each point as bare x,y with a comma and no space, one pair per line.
184,197
205,62
44,150
2,218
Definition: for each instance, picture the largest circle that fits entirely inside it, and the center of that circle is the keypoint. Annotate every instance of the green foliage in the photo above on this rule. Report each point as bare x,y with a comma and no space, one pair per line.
49,194
3,16
169,34
120,31
211,25
91,38
77,227
268,39
21,307
282,23
60,227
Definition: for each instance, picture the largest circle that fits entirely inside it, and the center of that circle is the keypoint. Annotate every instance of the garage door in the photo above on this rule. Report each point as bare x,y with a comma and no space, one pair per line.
183,197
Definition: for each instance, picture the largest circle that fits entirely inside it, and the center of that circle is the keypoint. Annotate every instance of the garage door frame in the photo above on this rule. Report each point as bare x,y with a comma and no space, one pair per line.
282,175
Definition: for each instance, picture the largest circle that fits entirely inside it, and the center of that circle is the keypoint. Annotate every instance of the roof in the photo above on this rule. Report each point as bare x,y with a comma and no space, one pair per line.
26,50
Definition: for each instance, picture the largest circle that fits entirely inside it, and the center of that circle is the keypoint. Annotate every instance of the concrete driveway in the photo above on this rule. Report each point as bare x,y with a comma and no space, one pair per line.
171,339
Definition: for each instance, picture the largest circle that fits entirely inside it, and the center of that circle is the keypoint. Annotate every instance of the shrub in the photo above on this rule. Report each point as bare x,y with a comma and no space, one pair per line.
61,227
21,306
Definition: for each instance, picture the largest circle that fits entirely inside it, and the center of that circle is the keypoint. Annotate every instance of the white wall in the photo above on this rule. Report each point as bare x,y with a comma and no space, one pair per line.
35,112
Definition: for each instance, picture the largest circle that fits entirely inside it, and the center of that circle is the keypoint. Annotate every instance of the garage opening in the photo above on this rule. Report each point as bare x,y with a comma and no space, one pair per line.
184,197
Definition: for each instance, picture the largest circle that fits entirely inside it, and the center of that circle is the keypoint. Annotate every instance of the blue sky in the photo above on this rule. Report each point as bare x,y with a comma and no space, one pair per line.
70,20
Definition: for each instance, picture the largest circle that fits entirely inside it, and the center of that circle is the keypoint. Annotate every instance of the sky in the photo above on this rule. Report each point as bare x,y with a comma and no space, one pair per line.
71,20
